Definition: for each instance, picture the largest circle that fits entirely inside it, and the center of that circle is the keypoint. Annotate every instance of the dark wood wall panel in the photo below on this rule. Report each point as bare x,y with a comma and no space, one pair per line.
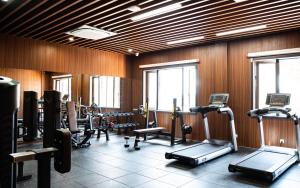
30,80
38,55
224,67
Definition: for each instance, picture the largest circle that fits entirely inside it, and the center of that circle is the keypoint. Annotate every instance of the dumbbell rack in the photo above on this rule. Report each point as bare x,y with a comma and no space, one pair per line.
123,120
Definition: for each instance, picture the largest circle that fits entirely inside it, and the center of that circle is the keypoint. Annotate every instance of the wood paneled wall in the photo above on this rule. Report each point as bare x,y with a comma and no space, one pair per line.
30,80
38,55
224,67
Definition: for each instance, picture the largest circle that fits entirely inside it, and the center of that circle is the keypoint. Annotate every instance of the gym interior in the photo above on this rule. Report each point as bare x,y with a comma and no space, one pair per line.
149,93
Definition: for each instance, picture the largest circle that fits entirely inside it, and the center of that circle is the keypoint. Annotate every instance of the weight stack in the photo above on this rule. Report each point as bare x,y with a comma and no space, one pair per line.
9,104
52,109
30,115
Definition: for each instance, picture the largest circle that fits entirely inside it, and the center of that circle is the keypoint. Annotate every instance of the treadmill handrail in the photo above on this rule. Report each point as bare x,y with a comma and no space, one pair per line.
228,111
270,110
205,109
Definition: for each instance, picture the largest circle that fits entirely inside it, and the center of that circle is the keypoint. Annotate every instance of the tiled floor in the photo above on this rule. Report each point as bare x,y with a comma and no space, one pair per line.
109,164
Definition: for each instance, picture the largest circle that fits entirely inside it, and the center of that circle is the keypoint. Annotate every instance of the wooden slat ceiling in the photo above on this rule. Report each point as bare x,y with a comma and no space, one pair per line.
49,20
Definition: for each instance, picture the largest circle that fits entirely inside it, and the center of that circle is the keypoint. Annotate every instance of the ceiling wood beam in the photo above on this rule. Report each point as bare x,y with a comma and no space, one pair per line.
29,29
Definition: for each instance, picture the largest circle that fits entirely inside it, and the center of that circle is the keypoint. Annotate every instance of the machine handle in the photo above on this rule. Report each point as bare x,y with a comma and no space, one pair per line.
195,109
264,111
224,109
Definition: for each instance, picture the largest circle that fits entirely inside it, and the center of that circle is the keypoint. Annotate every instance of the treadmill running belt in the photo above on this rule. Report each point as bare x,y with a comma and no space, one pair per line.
199,150
265,160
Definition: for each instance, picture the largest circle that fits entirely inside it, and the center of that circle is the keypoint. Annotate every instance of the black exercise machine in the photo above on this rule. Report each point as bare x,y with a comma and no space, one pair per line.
72,123
153,127
59,142
90,118
30,116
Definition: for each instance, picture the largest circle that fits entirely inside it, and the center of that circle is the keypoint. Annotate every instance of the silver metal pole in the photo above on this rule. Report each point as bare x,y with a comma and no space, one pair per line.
261,132
297,132
233,135
206,127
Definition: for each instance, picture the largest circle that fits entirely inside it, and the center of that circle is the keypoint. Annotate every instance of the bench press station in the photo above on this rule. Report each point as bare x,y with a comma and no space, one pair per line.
155,129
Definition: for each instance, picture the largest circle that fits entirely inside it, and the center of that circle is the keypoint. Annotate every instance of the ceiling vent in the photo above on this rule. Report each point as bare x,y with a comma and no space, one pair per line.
89,32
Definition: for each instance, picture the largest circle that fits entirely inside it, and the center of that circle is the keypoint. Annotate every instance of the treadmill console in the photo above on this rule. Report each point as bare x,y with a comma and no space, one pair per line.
278,99
218,99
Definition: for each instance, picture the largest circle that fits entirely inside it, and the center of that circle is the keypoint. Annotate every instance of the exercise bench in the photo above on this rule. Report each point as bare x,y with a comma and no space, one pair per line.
139,132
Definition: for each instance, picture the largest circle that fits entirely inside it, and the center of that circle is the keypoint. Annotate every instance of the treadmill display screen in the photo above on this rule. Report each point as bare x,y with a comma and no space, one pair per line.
218,98
278,99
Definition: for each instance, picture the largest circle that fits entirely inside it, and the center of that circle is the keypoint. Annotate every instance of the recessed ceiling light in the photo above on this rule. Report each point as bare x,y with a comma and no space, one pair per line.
137,54
238,1
129,50
89,32
134,8
156,12
71,39
4,0
185,40
242,30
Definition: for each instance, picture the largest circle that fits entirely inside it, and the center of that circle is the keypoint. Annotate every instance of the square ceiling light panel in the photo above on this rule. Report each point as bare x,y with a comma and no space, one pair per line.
89,32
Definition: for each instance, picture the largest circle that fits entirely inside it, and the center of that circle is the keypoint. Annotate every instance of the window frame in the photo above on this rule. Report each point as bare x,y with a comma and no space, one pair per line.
255,79
92,97
156,70
57,79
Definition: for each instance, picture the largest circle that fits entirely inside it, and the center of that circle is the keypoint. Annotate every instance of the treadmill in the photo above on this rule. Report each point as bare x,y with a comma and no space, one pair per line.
269,161
209,148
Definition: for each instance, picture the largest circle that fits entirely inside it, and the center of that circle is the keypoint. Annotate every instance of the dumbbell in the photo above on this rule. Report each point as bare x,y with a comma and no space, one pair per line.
126,145
136,146
186,129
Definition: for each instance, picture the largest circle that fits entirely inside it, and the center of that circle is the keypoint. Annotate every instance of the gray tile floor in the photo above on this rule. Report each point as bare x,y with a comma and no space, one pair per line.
109,164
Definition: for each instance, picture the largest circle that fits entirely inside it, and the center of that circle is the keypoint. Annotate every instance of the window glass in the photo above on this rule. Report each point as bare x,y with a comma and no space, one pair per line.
96,90
267,81
63,85
189,91
110,92
106,91
117,92
169,87
289,79
152,89
287,70
163,85
102,88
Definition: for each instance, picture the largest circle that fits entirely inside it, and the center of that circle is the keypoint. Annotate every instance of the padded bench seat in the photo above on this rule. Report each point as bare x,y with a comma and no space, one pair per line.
149,130
138,132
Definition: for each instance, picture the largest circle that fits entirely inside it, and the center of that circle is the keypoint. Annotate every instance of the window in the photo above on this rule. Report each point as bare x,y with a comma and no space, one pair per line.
105,91
162,85
277,76
63,85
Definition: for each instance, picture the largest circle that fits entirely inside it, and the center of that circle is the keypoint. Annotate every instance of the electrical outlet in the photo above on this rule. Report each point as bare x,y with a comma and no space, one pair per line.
281,141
